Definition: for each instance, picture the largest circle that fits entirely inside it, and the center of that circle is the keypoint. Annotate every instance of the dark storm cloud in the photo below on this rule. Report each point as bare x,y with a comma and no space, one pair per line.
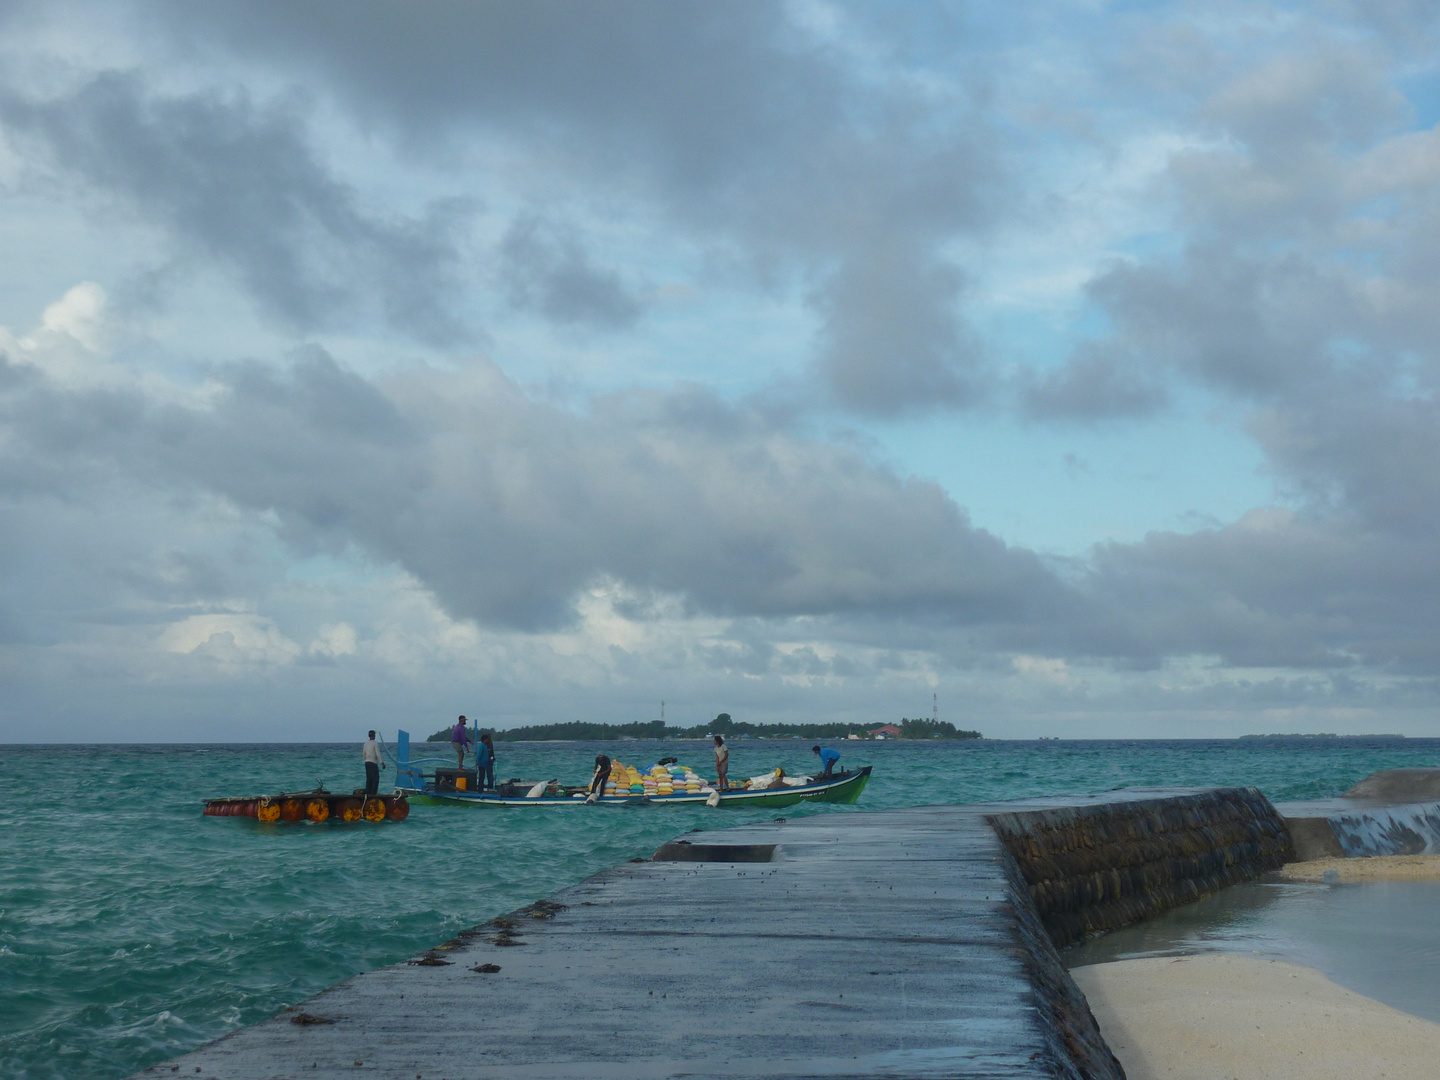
546,268
239,183
507,508
762,142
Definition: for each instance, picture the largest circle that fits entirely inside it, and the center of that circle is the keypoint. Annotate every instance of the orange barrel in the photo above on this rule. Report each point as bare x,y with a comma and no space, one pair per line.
375,809
399,808
348,809
267,809
317,810
291,810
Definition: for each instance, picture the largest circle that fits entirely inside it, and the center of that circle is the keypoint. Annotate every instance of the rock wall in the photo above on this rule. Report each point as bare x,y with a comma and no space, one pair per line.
1092,868
1080,1051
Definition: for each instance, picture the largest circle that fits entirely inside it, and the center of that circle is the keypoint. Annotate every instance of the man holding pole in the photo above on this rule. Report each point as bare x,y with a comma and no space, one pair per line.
459,739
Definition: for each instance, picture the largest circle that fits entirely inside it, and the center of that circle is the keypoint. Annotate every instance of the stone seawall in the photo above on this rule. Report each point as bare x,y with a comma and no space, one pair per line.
1092,868
1060,1005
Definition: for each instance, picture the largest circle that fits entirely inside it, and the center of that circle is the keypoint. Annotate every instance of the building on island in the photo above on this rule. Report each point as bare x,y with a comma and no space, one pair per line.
889,731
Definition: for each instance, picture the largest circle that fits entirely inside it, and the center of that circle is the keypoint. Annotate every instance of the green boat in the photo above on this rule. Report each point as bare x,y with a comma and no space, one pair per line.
441,789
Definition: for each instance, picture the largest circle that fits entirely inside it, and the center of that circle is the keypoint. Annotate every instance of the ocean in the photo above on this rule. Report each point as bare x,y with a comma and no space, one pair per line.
133,929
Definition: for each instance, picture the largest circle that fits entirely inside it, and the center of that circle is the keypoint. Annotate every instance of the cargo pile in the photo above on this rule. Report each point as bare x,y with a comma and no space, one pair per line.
627,780
774,779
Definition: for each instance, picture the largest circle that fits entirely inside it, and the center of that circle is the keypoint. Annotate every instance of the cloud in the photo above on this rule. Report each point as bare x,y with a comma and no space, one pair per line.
789,148
334,640
1042,669
697,92
1093,386
546,269
230,640
1237,214
512,512
238,182
1248,325
678,509
509,508
893,339
1368,454
70,344
1293,303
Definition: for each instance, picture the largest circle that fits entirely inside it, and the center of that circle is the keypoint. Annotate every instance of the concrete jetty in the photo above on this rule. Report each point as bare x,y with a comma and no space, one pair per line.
894,943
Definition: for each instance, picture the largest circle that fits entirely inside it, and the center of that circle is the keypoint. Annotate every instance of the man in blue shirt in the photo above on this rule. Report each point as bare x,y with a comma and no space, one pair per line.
485,761
828,757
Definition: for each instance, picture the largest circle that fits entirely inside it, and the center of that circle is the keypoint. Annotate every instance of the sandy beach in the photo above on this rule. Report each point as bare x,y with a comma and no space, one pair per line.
1243,1018
1375,868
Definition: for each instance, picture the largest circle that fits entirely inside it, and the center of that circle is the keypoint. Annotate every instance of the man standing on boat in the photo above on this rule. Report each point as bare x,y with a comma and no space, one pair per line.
485,762
828,758
598,781
722,763
373,765
459,739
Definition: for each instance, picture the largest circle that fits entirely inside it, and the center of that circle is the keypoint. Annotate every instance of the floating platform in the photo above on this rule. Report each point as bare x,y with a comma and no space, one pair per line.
313,806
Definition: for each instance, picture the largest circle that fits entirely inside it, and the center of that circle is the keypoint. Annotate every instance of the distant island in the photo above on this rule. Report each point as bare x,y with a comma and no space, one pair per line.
1319,735
579,730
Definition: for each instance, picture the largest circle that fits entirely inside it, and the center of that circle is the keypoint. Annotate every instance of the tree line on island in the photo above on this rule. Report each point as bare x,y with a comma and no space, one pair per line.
580,730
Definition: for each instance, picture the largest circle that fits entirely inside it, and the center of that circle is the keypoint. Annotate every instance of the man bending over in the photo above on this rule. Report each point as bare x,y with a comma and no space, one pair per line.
828,758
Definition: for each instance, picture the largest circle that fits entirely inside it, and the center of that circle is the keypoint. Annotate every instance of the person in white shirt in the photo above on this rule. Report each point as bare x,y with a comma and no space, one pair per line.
373,765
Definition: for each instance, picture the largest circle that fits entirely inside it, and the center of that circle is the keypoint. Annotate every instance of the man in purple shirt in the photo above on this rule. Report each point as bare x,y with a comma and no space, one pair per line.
459,739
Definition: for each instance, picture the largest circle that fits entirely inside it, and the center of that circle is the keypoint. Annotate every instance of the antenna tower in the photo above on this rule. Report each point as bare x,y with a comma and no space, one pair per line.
662,710
935,707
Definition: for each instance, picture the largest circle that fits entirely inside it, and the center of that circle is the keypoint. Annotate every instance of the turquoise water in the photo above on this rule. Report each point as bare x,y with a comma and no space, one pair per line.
132,928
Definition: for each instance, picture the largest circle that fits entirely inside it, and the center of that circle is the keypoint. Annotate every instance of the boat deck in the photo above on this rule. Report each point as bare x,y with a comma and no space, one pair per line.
874,944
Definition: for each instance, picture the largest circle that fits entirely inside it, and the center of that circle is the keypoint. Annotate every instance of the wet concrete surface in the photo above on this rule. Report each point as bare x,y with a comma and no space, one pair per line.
880,944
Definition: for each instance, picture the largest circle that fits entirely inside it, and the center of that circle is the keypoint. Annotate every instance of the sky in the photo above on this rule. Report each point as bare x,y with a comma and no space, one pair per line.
1070,367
